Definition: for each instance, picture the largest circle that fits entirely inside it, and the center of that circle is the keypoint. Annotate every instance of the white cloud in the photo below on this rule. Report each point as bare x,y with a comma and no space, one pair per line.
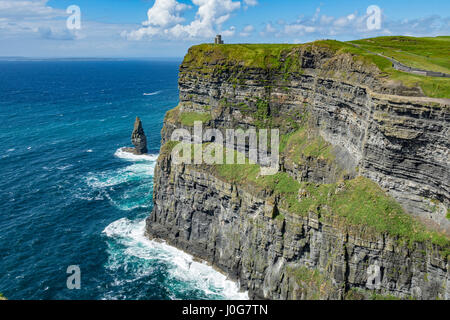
27,9
316,15
353,26
230,32
247,31
299,28
165,13
63,34
33,18
323,25
345,21
269,28
250,3
325,19
165,20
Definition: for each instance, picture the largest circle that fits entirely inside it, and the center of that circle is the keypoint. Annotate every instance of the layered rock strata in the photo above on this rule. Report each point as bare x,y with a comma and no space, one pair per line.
351,123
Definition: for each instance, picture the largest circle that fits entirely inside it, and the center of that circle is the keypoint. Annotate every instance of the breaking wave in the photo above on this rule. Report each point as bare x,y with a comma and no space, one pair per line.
127,242
120,153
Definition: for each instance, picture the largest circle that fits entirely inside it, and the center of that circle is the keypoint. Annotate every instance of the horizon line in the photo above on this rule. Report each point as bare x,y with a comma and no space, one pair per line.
87,58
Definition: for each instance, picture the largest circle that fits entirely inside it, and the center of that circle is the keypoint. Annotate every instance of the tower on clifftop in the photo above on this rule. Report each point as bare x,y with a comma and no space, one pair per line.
218,39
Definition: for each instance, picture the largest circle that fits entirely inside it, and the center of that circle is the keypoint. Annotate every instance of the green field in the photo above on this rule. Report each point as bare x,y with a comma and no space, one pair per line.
425,53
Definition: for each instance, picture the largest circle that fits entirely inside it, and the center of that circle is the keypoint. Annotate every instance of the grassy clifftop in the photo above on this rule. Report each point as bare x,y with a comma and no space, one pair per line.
426,53
246,55
431,54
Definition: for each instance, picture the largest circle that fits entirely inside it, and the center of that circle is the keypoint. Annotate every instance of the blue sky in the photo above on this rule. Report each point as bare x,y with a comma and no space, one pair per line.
167,28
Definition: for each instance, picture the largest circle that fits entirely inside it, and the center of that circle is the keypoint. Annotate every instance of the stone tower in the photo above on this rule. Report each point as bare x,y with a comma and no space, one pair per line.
218,39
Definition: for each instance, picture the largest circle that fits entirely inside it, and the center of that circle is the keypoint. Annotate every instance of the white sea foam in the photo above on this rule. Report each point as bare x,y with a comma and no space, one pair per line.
134,172
120,153
152,93
182,266
137,177
142,168
134,198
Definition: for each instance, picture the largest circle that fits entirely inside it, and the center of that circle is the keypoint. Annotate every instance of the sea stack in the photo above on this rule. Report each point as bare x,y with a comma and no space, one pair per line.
138,138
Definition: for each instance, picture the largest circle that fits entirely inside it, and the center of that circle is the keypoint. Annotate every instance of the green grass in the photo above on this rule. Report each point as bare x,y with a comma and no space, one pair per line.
280,184
361,294
188,118
265,56
304,144
262,109
426,53
311,283
361,203
172,116
167,148
376,296
423,53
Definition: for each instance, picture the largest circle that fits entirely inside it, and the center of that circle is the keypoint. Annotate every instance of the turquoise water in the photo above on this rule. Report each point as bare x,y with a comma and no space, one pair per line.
68,196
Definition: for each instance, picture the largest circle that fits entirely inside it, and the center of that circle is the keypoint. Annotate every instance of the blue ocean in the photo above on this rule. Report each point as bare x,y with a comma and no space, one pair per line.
69,196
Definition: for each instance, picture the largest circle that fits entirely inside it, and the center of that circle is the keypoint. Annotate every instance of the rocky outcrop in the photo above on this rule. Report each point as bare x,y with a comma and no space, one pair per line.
138,139
357,124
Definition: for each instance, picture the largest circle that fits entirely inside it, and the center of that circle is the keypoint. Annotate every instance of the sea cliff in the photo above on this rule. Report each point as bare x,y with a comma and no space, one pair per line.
363,182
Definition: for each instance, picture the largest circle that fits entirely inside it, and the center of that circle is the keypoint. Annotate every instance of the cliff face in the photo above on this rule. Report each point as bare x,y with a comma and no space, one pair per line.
340,119
235,230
